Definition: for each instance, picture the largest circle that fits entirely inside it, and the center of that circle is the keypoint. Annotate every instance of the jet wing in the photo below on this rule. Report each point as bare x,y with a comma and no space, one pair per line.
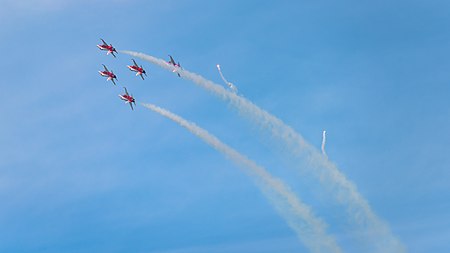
135,64
126,91
105,67
104,43
172,60
131,105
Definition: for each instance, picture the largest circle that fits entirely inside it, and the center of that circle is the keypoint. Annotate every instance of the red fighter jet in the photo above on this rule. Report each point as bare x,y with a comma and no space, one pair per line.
139,70
176,65
107,47
109,74
129,99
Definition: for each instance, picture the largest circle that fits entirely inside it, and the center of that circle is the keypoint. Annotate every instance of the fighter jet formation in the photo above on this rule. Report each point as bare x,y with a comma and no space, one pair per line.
140,71
127,97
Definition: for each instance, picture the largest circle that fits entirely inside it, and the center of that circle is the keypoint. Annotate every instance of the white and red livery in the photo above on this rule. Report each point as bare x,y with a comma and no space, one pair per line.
176,65
107,47
106,73
129,99
139,70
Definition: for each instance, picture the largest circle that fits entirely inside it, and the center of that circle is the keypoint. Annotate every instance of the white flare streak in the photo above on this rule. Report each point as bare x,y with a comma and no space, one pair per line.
310,229
378,232
230,85
324,140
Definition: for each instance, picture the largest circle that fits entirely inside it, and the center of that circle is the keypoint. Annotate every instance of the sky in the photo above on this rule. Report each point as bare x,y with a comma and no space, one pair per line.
81,172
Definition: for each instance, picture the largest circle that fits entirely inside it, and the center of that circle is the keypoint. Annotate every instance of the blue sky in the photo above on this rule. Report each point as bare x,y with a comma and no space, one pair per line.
80,172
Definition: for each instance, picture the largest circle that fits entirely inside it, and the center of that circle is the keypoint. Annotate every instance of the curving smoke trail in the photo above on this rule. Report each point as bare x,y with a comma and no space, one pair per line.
310,229
230,85
345,192
324,140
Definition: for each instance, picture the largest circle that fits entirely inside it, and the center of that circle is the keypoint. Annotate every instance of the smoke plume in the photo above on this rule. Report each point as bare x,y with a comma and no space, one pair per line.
310,229
343,190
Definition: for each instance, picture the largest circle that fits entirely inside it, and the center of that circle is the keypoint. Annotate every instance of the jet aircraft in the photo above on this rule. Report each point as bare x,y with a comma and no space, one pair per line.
139,70
129,99
176,65
111,76
107,47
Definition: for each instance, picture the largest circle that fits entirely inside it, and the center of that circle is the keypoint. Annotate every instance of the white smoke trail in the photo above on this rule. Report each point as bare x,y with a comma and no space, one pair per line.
310,229
232,87
343,190
324,140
